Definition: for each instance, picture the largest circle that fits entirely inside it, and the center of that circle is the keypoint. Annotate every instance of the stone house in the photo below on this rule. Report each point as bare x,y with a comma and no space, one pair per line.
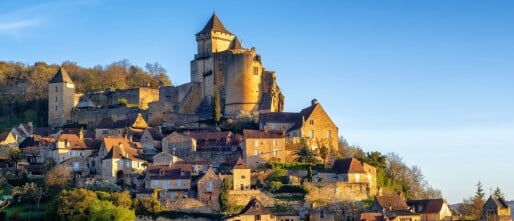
209,187
23,131
431,209
165,159
350,170
253,211
213,141
69,146
7,141
393,208
262,146
171,182
117,128
151,141
178,144
312,124
241,176
496,209
119,160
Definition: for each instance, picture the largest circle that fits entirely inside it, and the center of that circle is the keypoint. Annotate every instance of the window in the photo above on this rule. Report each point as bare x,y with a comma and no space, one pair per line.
311,122
155,183
275,152
209,186
76,166
329,133
256,143
179,183
165,184
55,107
55,99
127,163
81,154
312,133
256,153
257,217
255,70
275,142
172,195
243,177
55,88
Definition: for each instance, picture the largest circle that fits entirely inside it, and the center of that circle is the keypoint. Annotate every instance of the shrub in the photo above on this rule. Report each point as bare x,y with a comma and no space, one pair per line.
292,189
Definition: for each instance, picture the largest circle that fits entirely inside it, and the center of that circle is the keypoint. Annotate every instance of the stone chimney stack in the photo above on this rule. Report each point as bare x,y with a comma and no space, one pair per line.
314,102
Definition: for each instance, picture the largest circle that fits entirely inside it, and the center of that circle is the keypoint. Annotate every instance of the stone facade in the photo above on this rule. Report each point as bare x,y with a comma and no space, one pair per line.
241,176
178,144
496,209
61,99
209,187
338,192
260,147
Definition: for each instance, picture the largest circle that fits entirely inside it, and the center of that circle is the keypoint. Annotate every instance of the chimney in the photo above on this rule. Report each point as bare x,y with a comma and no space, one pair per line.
314,102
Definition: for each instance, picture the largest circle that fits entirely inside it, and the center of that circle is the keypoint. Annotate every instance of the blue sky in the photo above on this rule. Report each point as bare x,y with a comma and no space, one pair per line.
429,80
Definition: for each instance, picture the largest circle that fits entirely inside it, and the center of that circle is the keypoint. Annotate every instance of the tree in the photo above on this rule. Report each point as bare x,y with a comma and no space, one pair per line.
58,177
15,156
74,204
30,191
478,201
106,210
216,108
305,154
122,199
323,153
498,193
152,204
309,174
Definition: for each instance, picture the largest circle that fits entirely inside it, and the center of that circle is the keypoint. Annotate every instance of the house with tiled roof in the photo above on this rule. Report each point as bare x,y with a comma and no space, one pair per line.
171,182
241,176
7,142
312,124
431,209
151,139
496,209
178,144
263,146
109,126
119,160
69,145
253,211
208,188
393,208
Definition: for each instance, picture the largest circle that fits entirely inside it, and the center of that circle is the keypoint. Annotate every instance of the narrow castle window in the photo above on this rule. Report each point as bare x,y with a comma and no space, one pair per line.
55,107
55,88
256,70
328,133
55,99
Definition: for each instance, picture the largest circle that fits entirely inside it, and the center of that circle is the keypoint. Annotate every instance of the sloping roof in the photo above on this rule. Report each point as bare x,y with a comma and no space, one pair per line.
427,205
155,133
72,141
123,152
4,135
94,144
500,202
263,134
28,142
393,203
129,121
235,44
165,172
209,135
280,117
214,24
240,164
110,142
61,76
254,207
348,165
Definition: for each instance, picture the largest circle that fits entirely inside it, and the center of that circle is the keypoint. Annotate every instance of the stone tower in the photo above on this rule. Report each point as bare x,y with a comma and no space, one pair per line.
61,99
213,38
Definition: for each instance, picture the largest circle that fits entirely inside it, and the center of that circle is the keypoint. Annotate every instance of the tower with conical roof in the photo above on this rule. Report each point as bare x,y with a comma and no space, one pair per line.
61,98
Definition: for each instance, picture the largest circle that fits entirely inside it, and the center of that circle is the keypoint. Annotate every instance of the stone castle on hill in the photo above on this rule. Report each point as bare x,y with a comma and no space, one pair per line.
221,66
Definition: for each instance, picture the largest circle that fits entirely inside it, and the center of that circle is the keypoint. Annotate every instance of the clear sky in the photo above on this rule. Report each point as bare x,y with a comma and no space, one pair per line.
430,80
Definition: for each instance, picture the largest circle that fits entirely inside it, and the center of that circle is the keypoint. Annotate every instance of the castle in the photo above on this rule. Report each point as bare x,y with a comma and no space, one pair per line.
221,67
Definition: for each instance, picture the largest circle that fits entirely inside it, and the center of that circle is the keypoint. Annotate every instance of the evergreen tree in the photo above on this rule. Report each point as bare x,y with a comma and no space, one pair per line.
498,193
216,115
478,201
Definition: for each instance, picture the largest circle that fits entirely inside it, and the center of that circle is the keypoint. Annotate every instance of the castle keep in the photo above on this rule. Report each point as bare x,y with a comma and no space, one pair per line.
220,66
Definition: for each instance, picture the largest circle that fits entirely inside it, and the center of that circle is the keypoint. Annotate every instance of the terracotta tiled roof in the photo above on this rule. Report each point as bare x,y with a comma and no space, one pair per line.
165,172
235,44
214,24
123,152
254,207
61,76
72,141
371,216
109,142
240,164
348,165
393,203
209,135
263,134
427,205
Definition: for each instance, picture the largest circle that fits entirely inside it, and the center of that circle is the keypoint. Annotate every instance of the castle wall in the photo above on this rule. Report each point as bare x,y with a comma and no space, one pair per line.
338,192
92,117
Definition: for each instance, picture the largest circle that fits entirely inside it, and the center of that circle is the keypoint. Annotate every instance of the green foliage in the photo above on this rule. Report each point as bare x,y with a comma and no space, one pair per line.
123,101
29,191
106,210
278,175
309,174
150,205
274,186
292,189
223,199
122,199
74,204
296,166
498,193
305,154
260,183
216,115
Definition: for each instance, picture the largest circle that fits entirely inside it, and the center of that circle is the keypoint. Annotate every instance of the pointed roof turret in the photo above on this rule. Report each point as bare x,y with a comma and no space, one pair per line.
235,44
214,24
61,77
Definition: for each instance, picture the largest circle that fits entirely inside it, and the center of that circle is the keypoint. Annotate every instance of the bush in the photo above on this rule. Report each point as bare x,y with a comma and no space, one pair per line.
275,186
292,189
296,166
278,175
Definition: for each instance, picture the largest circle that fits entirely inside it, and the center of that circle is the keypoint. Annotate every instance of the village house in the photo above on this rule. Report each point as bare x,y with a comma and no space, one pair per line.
209,188
431,209
119,159
263,146
151,141
253,211
23,131
165,159
69,146
7,142
119,128
392,208
178,144
496,209
312,124
241,176
350,170
171,182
